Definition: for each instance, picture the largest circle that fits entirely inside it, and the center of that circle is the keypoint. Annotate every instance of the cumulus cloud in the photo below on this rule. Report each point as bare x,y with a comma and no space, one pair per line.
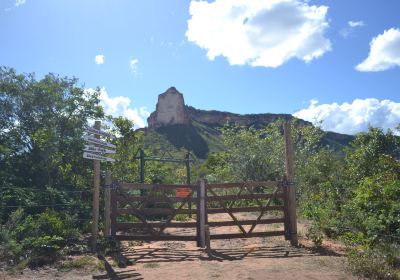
384,52
259,32
351,118
345,32
133,64
121,106
99,59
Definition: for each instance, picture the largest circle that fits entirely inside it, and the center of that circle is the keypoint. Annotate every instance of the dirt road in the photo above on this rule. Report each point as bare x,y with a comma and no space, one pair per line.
253,258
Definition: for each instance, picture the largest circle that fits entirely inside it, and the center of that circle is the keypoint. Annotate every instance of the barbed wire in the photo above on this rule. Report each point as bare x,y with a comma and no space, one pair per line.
39,189
39,205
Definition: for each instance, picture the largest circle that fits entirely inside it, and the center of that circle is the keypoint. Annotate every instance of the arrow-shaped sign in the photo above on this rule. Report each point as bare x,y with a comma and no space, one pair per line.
93,140
97,157
94,149
98,132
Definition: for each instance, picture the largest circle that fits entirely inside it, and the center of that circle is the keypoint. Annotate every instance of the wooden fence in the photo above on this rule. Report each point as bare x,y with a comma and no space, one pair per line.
135,216
148,217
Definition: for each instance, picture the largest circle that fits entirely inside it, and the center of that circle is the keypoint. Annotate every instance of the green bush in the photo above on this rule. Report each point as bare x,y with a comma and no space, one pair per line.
35,239
375,263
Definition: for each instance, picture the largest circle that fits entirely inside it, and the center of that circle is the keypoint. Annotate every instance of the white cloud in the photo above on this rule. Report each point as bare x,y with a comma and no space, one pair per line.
345,32
16,4
356,23
121,106
384,52
99,59
351,118
133,64
19,2
259,32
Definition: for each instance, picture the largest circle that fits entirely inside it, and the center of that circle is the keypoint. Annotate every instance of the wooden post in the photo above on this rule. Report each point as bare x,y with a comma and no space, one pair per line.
107,203
207,236
142,166
286,225
202,214
291,189
187,158
96,190
113,212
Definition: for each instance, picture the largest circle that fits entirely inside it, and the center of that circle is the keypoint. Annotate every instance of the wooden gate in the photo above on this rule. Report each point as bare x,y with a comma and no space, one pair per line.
257,198
149,216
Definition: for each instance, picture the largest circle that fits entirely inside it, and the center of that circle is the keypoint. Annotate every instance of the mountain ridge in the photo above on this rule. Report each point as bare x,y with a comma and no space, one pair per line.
197,130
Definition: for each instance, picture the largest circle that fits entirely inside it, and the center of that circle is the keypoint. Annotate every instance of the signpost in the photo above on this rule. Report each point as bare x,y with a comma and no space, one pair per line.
98,141
98,132
96,153
94,149
97,157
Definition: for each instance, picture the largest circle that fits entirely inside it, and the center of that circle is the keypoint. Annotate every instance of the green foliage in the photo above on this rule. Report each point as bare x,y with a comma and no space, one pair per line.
375,263
37,239
41,126
354,195
80,262
127,141
41,166
187,137
363,157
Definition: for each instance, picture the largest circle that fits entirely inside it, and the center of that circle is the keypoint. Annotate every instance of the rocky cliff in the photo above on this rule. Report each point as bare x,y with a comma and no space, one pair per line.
171,110
181,126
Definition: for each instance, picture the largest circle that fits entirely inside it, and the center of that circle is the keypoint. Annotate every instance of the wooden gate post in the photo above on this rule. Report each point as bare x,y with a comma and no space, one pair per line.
96,191
107,203
291,189
114,208
201,214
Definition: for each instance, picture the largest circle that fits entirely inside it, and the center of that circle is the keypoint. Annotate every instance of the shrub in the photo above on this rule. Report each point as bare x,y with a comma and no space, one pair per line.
35,239
375,263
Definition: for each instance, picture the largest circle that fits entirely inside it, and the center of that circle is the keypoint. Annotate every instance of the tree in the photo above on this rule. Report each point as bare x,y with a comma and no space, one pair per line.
41,126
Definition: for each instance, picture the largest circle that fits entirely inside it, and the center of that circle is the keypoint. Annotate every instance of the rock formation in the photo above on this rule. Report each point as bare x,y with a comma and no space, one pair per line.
170,110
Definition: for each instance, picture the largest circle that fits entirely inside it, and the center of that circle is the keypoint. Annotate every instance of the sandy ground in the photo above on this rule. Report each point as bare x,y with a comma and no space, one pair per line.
253,258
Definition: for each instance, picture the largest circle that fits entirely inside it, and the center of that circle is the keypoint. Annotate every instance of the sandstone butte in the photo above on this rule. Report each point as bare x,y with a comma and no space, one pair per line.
171,110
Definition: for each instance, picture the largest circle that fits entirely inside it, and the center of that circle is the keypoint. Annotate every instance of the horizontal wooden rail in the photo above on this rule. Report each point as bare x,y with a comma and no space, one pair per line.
246,222
243,235
271,184
129,186
126,226
244,196
157,237
155,211
243,209
154,199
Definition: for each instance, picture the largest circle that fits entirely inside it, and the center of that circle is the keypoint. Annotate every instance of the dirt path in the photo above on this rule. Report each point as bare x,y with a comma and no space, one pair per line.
253,258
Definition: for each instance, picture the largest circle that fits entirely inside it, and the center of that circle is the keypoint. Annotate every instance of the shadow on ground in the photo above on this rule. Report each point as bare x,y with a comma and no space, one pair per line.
117,274
159,255
132,256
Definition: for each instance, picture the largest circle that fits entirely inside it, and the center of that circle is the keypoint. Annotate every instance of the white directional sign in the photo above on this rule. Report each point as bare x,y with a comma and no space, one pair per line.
97,157
94,149
93,140
98,132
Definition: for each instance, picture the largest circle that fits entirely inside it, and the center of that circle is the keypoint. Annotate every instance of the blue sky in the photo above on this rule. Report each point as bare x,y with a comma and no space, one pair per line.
310,58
